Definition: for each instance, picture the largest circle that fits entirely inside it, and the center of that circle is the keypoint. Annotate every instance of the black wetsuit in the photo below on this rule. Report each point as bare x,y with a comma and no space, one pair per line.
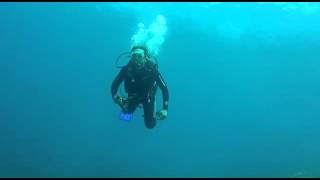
141,86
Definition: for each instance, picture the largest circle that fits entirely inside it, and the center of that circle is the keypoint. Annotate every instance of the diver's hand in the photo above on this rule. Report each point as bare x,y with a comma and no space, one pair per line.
117,99
161,115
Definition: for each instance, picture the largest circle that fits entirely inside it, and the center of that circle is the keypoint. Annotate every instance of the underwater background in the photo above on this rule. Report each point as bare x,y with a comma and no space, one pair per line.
243,81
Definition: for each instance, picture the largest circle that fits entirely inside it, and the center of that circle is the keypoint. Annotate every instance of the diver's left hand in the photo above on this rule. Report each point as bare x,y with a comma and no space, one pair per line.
161,115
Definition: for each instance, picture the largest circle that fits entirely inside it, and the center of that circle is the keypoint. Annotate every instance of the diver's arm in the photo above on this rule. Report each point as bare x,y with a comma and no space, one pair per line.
116,82
164,89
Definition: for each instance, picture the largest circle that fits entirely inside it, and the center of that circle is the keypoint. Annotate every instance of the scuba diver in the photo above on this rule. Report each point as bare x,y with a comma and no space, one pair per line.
141,80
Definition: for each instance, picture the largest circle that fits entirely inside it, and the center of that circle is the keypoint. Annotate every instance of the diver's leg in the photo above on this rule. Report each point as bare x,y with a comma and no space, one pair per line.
130,105
148,107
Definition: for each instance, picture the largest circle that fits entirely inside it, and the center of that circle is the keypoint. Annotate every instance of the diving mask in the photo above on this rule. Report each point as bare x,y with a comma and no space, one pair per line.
138,56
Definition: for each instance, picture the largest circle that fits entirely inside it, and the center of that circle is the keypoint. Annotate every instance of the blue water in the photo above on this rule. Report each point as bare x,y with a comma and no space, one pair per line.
243,80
